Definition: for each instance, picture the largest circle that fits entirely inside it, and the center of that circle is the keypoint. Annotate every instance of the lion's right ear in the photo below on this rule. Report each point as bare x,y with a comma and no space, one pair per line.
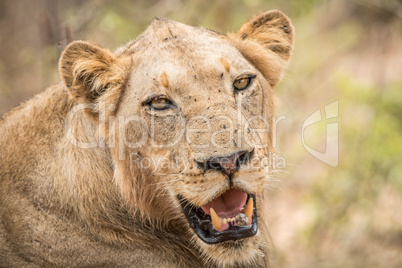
88,71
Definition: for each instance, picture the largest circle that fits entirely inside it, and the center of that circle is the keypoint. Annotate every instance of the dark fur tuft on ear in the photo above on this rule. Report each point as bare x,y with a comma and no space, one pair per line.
266,40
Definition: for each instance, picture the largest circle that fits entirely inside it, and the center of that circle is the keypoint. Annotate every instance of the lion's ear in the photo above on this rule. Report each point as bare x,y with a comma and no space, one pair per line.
266,40
88,70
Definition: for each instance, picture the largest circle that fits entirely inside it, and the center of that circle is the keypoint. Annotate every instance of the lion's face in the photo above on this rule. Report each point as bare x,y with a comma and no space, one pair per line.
190,129
201,112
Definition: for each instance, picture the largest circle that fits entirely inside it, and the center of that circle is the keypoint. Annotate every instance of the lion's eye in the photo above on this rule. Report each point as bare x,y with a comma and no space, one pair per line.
160,103
243,83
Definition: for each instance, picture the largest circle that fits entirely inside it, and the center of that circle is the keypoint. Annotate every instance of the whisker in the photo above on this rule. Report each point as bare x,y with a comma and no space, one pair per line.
166,182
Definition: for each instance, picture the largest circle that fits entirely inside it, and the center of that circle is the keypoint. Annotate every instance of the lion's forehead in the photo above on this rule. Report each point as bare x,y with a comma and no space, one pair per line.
188,55
201,65
165,40
190,61
189,52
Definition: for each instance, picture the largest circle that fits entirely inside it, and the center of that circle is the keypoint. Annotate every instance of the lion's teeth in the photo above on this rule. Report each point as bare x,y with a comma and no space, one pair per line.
248,210
228,220
216,220
242,219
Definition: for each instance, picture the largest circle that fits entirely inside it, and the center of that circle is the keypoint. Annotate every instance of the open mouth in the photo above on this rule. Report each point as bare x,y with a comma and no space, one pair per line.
230,216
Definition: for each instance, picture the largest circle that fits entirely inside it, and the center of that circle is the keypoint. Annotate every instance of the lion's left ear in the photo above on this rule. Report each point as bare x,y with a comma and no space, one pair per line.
266,40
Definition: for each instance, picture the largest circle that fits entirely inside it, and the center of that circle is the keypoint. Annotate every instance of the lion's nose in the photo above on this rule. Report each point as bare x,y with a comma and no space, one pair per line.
226,164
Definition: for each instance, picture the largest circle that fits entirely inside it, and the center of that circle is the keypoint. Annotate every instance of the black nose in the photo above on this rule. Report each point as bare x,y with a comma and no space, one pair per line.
226,164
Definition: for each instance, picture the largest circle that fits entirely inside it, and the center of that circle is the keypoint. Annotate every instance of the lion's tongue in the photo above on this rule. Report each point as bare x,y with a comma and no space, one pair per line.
228,204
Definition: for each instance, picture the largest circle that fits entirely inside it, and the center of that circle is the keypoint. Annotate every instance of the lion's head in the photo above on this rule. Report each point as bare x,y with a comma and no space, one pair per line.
187,115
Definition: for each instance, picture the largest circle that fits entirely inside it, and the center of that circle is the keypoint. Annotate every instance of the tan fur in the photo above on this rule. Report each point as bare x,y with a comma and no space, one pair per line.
226,64
81,186
165,80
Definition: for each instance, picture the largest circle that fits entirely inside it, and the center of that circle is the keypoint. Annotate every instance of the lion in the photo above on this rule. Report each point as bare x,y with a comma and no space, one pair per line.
151,156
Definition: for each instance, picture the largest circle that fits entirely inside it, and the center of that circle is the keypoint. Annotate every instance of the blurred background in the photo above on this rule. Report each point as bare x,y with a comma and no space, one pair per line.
348,51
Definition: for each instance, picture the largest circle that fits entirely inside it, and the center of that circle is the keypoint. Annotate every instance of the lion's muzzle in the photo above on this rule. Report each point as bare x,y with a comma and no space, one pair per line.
230,216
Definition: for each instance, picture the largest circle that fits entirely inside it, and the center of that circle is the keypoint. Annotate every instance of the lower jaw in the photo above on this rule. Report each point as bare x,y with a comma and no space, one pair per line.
240,253
202,226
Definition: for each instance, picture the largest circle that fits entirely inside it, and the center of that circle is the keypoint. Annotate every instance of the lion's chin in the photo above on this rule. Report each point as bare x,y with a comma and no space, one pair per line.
231,216
244,252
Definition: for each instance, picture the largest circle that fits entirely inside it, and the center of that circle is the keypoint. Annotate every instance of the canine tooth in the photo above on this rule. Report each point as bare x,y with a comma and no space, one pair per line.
216,220
248,210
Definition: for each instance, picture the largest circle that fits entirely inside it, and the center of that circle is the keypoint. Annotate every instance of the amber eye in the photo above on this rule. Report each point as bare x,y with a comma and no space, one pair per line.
243,83
160,103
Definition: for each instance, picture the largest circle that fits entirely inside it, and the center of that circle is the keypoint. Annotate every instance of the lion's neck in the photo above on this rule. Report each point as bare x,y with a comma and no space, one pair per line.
73,182
84,183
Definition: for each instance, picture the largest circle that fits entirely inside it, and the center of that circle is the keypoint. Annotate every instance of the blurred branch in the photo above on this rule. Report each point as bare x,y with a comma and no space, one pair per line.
69,35
394,7
45,26
87,13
